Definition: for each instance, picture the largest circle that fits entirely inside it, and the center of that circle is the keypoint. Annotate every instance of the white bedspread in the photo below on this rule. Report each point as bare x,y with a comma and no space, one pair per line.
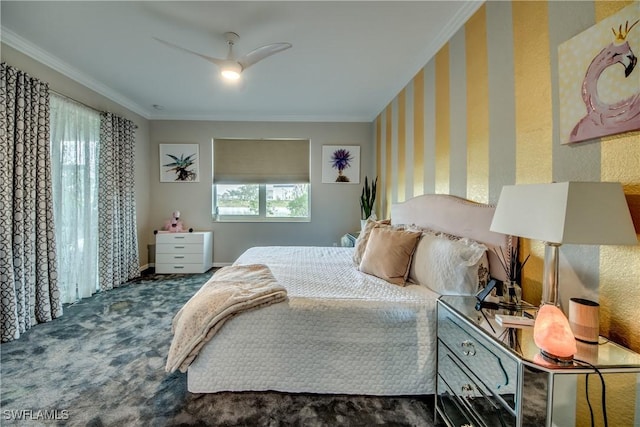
232,290
341,331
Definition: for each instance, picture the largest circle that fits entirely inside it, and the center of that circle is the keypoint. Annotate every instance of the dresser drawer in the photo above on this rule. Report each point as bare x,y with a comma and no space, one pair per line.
173,258
180,268
472,392
493,365
179,248
180,238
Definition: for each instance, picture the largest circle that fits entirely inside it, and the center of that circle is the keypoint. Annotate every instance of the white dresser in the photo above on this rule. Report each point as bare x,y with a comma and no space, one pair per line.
184,252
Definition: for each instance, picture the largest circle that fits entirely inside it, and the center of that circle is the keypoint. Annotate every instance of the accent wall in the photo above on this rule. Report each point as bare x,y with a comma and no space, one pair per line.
483,113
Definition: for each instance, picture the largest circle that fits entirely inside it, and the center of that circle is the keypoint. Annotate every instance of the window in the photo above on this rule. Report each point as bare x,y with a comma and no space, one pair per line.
255,202
261,180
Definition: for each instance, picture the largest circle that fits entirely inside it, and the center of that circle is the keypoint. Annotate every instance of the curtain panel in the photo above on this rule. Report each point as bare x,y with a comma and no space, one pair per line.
29,291
75,133
118,241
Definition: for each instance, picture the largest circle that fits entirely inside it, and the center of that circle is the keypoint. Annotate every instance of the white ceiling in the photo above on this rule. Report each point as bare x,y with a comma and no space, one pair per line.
348,61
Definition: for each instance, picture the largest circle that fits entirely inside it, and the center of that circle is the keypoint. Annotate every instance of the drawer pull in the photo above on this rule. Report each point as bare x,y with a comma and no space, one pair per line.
178,247
467,391
178,266
178,257
178,237
468,348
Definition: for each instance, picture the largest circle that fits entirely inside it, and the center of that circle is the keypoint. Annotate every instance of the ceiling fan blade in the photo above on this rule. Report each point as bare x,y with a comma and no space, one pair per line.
260,53
216,61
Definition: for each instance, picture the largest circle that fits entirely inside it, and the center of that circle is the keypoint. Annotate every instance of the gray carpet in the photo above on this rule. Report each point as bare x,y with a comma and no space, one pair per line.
102,364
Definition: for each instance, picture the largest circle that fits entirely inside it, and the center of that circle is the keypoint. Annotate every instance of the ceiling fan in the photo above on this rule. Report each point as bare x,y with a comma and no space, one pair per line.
231,67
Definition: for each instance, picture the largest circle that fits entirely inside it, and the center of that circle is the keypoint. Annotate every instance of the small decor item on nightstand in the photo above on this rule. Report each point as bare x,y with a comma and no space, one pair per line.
511,289
584,320
511,292
174,225
552,334
513,321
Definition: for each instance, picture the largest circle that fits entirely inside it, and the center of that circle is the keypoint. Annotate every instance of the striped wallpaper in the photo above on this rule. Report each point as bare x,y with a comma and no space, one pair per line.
483,113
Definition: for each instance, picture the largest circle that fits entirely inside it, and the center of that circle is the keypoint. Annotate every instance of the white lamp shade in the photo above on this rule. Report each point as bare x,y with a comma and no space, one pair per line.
592,213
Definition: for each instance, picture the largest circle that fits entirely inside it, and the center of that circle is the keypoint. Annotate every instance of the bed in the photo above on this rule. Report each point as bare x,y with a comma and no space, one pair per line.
341,331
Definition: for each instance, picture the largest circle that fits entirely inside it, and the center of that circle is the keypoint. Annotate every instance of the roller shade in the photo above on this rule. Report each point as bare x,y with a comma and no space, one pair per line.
260,161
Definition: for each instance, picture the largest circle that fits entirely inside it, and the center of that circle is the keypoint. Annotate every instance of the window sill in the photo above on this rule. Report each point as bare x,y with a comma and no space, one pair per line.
260,220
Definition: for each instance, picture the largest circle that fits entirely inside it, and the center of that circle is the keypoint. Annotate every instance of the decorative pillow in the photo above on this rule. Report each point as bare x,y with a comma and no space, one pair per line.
388,254
413,227
480,269
363,237
449,266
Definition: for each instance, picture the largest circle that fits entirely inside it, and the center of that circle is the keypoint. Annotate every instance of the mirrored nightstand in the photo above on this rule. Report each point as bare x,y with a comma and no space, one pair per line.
493,376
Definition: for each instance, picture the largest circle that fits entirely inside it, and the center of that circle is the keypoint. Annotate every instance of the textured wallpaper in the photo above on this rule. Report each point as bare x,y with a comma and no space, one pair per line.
484,112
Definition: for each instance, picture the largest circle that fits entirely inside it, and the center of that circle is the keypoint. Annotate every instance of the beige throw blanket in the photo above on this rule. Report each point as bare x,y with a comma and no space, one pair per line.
230,290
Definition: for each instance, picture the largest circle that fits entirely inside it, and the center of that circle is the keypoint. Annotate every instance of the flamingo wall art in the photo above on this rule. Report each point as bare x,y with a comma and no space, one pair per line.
600,79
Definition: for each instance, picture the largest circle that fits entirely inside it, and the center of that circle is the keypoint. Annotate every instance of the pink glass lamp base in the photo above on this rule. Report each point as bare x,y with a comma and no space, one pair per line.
553,336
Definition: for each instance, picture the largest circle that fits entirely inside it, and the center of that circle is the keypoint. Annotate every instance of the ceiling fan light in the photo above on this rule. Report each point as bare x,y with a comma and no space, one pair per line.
231,71
230,74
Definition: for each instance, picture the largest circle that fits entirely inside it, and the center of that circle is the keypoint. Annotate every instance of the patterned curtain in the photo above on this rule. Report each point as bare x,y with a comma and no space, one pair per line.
29,291
118,241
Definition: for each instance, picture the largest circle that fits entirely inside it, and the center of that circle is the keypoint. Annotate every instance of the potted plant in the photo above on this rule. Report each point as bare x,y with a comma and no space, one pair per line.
367,200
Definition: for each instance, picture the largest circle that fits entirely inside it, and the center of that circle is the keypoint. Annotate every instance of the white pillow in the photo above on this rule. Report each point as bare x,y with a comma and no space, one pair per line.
449,267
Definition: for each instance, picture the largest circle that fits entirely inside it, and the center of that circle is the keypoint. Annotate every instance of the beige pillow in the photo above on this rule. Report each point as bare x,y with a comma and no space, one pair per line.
388,254
363,238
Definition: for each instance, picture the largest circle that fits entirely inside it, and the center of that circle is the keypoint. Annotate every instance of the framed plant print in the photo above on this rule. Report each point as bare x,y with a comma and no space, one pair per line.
341,164
179,163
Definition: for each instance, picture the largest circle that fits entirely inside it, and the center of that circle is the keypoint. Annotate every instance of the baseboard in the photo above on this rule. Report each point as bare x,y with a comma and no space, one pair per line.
147,269
221,264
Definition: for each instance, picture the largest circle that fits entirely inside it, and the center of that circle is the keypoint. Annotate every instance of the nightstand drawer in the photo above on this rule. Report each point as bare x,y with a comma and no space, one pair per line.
493,366
197,237
179,248
182,268
178,258
472,392
451,407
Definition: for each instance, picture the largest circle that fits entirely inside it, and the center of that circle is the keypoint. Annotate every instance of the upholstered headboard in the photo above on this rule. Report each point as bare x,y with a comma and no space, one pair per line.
457,216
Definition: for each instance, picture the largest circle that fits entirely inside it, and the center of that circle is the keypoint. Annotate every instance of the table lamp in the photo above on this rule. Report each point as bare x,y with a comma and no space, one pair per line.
583,213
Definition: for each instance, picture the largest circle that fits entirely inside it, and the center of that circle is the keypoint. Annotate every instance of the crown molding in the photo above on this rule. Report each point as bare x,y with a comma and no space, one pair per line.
25,46
449,30
261,118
